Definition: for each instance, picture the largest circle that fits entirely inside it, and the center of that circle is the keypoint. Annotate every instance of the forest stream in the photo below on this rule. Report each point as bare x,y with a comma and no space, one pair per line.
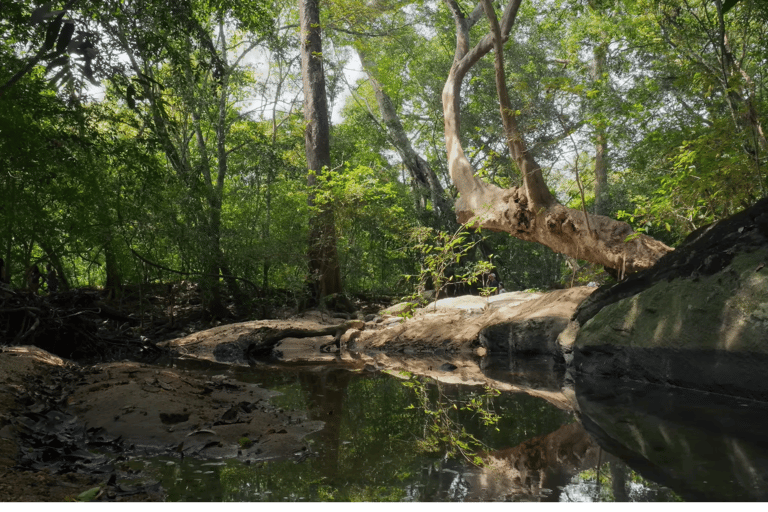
383,251
364,424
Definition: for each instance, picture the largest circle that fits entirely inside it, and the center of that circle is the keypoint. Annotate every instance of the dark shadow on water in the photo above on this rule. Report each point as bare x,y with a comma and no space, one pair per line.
704,446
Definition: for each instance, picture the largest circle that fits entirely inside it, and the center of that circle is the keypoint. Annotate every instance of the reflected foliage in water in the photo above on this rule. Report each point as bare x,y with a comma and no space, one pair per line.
615,482
634,442
371,446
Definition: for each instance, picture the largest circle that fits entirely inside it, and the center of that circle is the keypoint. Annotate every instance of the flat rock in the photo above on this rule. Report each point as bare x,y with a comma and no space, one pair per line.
458,330
476,305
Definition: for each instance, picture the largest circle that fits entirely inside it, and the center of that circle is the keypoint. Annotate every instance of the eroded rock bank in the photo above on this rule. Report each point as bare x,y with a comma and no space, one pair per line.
517,322
467,340
697,320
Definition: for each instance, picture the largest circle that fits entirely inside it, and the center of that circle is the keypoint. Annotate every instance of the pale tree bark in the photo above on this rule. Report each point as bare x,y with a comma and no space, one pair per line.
323,259
601,138
424,177
529,212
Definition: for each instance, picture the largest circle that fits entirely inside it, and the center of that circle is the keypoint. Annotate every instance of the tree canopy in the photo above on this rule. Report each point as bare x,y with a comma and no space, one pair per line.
147,141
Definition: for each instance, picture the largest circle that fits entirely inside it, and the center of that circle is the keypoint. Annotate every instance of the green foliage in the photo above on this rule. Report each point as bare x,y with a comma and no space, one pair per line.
443,258
700,177
372,221
88,183
609,475
444,434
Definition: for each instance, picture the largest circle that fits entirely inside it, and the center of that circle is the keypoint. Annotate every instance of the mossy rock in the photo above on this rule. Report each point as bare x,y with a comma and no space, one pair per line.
724,311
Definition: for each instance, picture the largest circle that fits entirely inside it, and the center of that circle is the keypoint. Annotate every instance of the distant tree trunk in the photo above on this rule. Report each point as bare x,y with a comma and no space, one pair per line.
114,282
222,127
529,212
424,177
601,140
57,264
323,259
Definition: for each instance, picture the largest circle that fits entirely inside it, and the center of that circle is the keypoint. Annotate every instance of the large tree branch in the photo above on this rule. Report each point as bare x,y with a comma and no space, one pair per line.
530,212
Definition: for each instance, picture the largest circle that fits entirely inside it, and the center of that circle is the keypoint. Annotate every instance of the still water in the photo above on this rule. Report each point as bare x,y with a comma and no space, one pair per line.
392,438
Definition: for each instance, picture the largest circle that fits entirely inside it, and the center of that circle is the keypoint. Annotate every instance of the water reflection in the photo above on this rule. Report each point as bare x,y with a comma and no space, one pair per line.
630,442
703,446
372,448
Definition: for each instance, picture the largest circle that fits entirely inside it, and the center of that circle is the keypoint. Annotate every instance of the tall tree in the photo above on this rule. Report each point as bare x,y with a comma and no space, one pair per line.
530,212
323,259
599,53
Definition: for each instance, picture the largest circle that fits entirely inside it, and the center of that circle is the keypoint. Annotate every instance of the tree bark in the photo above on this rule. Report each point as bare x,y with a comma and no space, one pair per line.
529,212
324,270
601,139
424,177
114,278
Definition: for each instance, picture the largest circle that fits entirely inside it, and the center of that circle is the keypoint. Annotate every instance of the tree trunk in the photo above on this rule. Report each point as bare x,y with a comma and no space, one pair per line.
529,212
222,128
324,268
114,281
58,265
601,140
424,177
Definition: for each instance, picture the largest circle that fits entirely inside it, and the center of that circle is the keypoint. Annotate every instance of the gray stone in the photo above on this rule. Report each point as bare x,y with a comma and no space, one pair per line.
530,336
698,319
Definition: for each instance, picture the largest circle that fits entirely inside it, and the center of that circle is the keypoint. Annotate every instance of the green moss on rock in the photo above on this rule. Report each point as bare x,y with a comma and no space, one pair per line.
724,311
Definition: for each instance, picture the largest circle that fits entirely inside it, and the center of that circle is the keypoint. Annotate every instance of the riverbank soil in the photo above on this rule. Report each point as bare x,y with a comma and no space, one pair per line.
67,428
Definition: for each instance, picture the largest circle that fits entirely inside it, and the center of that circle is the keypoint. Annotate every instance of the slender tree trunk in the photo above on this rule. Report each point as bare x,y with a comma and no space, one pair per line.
529,212
740,91
211,283
222,127
323,259
601,139
114,283
424,177
55,260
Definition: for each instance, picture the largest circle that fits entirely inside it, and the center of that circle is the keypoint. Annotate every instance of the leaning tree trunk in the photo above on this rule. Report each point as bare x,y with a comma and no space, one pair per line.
529,212
424,177
324,270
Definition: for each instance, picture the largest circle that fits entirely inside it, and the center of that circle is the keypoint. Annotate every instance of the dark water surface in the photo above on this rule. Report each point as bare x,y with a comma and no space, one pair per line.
386,440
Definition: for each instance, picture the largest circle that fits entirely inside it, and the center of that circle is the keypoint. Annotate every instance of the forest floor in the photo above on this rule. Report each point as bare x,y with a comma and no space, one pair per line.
70,427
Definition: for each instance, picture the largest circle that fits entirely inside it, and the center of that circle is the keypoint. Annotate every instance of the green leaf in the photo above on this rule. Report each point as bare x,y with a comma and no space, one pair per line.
89,495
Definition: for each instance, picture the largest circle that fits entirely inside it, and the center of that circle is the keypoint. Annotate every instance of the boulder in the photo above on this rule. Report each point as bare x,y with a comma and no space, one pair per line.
463,324
698,319
533,327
